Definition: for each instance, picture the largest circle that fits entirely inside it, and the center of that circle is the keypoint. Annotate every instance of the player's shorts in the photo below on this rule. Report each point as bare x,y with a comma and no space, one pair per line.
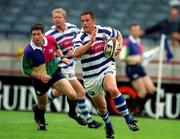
41,88
68,70
94,85
134,72
69,73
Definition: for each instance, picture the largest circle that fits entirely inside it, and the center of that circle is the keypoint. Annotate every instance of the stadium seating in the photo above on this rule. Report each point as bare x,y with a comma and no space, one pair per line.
17,16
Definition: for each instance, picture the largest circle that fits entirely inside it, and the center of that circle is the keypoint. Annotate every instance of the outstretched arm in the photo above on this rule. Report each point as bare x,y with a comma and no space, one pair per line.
63,59
84,48
120,40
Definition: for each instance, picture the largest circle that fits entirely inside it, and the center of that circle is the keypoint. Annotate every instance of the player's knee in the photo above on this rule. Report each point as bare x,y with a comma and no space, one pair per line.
81,94
42,106
102,109
142,94
72,96
57,93
152,90
113,91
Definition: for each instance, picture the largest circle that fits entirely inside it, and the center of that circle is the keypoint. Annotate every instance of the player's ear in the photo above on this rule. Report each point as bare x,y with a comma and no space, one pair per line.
94,21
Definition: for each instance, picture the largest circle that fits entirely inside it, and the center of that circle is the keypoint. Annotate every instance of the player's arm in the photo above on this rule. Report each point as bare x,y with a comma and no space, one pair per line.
82,49
27,66
120,40
117,34
123,53
44,77
130,59
134,59
60,54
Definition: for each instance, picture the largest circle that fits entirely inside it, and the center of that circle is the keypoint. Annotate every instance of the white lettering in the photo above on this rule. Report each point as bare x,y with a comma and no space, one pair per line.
22,100
149,111
0,94
169,105
166,108
31,97
6,97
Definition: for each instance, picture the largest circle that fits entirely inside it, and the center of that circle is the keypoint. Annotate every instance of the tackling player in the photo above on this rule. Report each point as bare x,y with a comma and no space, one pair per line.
64,33
40,63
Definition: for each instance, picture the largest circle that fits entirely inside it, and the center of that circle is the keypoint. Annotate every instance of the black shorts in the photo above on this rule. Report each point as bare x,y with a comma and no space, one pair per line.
41,88
135,71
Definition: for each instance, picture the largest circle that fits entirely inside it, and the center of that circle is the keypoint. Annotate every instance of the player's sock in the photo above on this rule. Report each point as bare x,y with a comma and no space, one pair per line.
81,103
72,106
42,122
51,97
138,105
122,107
41,116
153,103
144,100
140,102
105,118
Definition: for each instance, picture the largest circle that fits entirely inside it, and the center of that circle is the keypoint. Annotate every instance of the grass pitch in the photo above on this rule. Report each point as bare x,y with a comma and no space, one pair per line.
20,125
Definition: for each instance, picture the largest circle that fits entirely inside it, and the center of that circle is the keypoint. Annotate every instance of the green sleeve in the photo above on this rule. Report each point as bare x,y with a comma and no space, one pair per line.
127,51
27,65
57,46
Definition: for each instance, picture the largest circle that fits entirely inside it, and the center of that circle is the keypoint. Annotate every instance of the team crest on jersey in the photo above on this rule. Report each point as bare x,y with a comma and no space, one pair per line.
50,51
91,93
96,47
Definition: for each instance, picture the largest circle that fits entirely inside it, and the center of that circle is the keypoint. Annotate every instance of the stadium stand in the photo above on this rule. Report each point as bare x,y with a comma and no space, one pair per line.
17,16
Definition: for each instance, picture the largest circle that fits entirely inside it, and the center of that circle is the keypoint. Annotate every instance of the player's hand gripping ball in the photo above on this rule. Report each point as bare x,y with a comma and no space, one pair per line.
110,47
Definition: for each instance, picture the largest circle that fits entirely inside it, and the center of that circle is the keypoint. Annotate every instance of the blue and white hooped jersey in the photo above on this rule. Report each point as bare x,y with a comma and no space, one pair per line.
94,61
64,40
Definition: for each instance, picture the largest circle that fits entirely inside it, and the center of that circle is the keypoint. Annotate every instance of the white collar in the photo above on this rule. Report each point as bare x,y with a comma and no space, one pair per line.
33,45
134,40
54,27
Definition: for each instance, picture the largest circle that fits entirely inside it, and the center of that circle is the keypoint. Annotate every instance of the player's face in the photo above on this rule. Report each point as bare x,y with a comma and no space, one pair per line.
87,23
58,19
136,31
37,37
174,13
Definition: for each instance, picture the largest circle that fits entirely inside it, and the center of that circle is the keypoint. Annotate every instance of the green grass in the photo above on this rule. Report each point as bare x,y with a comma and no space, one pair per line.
20,125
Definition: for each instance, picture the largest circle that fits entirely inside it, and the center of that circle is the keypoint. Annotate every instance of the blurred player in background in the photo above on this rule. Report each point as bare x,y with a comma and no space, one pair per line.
169,26
64,33
40,63
141,82
99,72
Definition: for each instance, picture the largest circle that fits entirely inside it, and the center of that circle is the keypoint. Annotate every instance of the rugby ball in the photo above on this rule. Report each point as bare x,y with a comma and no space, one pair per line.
111,47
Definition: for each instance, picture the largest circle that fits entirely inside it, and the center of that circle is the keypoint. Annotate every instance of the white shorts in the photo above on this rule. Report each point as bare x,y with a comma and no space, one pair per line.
94,85
69,73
